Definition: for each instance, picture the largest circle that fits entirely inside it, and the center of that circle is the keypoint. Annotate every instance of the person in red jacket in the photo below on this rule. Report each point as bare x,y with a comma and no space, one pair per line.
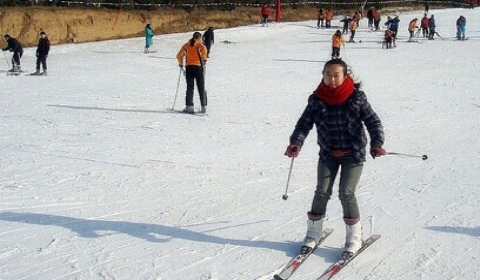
265,12
424,25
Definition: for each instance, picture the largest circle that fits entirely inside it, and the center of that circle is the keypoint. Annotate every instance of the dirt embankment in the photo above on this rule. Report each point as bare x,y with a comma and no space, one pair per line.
68,25
77,25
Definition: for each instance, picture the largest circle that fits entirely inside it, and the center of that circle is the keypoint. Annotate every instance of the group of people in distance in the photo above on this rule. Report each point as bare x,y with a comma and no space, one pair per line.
14,46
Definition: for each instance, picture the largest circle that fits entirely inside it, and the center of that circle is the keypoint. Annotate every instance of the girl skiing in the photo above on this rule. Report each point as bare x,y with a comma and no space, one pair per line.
339,109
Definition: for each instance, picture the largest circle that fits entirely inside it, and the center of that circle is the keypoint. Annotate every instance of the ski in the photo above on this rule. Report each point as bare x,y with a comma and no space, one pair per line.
296,261
196,113
336,267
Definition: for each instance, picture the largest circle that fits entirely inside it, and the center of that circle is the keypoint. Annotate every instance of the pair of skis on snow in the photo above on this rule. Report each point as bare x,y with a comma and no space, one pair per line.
297,261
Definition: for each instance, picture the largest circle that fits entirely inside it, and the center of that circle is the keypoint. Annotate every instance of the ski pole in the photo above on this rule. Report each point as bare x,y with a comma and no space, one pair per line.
6,59
439,35
424,157
285,196
178,86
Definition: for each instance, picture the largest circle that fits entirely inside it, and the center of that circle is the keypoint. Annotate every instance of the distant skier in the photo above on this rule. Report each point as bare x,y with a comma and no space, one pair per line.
194,53
357,15
461,27
353,28
424,26
328,18
339,109
431,27
346,24
43,48
265,12
320,18
148,37
377,17
208,39
393,25
389,39
337,41
411,28
14,46
370,17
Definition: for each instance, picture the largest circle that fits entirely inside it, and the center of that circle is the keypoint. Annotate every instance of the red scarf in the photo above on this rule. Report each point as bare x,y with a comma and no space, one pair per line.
335,96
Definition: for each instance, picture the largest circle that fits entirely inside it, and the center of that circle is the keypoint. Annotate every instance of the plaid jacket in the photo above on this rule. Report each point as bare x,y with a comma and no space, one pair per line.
340,126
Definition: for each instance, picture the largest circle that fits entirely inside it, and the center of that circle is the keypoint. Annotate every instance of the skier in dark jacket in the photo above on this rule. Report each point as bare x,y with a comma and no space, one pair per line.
431,27
339,109
208,39
392,24
43,48
17,49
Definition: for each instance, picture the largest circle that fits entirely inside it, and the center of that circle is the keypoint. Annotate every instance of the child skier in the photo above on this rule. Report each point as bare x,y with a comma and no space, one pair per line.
411,28
389,40
346,24
337,41
340,110
43,48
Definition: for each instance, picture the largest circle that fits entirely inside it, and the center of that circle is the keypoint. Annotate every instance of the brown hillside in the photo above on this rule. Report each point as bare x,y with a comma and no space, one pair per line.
67,25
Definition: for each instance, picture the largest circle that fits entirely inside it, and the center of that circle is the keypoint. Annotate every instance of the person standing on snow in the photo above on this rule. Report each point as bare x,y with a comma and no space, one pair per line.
148,37
320,18
339,109
328,18
411,29
353,28
337,41
370,17
392,24
208,39
43,48
14,46
194,53
346,24
461,27
424,26
431,27
377,17
265,12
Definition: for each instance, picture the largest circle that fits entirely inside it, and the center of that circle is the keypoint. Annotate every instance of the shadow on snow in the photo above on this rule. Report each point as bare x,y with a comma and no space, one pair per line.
475,231
89,228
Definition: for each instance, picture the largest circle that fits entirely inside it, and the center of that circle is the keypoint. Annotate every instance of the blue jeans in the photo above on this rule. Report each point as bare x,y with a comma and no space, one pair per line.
350,173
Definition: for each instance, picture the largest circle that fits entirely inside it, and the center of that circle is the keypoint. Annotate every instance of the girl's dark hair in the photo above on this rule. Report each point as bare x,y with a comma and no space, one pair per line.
196,35
347,71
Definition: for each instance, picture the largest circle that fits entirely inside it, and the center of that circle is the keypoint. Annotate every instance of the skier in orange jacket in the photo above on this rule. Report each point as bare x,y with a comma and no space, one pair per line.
337,41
